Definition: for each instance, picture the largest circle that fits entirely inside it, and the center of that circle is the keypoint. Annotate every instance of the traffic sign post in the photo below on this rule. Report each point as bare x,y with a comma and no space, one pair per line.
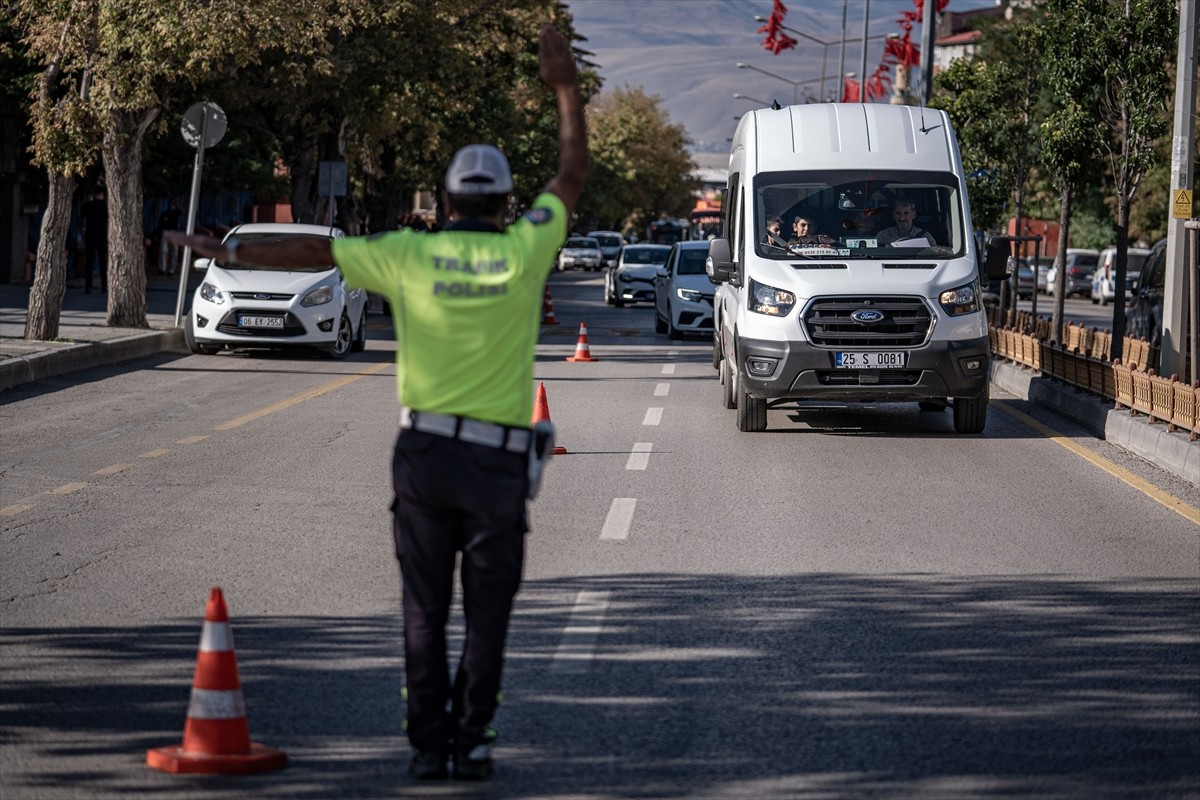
332,180
203,126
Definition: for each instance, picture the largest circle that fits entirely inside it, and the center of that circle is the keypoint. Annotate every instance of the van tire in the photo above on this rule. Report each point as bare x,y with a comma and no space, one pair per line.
751,411
970,413
728,398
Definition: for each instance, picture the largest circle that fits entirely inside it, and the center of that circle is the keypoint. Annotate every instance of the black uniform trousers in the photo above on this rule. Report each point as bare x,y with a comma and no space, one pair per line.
452,496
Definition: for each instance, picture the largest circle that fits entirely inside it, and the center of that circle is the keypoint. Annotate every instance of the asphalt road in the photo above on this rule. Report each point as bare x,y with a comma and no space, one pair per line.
856,603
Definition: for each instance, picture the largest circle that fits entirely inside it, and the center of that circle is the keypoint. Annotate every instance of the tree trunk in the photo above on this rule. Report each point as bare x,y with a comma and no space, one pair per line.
122,152
1060,258
50,280
303,173
1122,269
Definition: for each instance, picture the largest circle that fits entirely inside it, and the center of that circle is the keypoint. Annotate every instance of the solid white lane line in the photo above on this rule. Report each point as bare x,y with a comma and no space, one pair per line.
619,519
640,457
672,353
578,643
668,369
653,416
661,389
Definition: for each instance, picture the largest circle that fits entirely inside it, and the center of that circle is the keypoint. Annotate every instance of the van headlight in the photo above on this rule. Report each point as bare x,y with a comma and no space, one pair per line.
962,300
211,293
318,297
769,300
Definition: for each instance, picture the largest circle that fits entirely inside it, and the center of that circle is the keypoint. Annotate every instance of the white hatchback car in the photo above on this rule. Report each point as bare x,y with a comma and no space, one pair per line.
243,305
1104,283
683,294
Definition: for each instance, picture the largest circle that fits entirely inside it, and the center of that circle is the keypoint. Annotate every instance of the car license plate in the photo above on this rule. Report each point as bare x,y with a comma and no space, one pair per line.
260,322
874,359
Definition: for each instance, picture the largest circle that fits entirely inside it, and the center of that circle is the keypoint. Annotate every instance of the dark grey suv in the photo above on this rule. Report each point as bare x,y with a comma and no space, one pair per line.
1144,311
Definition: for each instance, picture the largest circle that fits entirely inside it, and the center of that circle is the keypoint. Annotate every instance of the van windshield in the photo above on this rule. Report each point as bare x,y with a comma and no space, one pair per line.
859,214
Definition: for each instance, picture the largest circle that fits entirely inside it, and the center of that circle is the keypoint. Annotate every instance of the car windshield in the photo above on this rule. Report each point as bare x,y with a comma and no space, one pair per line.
246,238
895,215
691,261
645,255
608,239
580,242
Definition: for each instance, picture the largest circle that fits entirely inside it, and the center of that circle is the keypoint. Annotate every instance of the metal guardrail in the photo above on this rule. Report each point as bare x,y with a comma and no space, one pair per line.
1129,382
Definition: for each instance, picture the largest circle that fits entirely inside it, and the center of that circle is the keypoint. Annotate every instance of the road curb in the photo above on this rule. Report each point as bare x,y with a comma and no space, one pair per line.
1168,450
26,369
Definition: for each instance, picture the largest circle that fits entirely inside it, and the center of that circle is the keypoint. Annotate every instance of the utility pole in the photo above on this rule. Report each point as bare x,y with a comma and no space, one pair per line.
1180,289
928,35
862,75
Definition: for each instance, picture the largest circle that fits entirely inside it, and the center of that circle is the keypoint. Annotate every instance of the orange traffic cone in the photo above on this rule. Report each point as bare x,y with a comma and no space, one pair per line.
216,737
548,309
541,411
582,353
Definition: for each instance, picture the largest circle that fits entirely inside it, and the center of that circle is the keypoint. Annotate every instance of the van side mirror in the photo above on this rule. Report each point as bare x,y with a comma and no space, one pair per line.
995,262
719,264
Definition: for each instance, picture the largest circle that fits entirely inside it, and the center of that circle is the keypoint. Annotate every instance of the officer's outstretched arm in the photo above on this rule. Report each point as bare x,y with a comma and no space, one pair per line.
285,253
558,70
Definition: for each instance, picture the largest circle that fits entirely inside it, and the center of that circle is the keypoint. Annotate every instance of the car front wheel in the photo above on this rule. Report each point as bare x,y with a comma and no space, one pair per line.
189,336
344,341
360,341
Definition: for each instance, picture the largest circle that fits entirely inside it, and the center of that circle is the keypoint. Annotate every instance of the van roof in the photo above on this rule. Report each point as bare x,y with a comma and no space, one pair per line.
848,136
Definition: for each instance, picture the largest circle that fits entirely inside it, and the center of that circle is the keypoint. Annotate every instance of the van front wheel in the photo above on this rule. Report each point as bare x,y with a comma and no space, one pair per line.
970,413
751,411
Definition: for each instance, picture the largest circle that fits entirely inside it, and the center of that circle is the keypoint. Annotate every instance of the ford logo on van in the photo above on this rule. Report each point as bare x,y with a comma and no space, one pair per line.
866,316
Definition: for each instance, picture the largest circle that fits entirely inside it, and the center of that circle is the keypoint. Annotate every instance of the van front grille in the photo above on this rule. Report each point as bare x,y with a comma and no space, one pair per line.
905,322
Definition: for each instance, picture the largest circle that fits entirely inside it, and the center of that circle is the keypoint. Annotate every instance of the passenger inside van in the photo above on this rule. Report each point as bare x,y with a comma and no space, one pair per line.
804,234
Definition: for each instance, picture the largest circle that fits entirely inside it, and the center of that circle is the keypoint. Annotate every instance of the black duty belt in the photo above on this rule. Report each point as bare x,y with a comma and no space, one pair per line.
473,431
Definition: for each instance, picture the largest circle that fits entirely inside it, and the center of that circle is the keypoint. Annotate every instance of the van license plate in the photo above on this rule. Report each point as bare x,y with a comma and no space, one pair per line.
875,359
260,322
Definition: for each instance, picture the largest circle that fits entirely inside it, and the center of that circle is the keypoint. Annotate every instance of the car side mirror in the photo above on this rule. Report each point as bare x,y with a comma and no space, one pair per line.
995,264
719,264
202,263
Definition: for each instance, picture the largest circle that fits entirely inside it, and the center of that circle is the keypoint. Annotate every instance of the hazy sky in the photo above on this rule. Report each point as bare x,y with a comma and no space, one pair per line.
685,51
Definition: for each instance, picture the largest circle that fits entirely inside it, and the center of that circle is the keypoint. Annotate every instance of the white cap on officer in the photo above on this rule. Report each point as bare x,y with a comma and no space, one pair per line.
479,169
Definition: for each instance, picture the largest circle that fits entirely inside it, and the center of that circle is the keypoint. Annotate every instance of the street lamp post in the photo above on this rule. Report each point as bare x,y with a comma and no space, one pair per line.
740,96
796,84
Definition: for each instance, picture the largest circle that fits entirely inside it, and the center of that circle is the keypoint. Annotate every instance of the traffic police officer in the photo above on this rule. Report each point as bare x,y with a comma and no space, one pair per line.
465,306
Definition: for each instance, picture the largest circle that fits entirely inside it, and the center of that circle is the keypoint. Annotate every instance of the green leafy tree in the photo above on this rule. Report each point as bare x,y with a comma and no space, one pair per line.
640,168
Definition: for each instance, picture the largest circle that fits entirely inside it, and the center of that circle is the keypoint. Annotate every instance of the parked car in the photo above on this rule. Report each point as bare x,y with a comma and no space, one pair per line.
610,245
580,252
1081,264
244,305
632,280
1044,263
1144,311
683,294
1026,282
1104,284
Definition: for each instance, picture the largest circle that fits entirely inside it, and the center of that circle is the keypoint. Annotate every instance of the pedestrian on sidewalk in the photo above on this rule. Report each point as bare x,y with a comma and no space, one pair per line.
94,216
466,305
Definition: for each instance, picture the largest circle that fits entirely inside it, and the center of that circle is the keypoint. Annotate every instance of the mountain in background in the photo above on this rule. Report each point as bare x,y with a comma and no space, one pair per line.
685,51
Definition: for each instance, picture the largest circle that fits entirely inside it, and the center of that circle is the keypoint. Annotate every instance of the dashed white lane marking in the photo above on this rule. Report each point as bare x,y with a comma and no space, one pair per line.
640,457
113,469
653,416
192,439
16,508
68,488
578,643
162,451
620,517
668,369
672,353
661,389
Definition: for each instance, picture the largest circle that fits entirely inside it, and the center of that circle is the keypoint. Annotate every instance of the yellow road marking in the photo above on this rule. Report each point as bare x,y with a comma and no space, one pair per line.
300,398
68,488
13,510
193,439
1120,473
113,470
162,451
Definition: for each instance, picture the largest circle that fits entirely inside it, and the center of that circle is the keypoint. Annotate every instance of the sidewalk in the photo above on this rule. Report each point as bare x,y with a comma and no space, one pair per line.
84,340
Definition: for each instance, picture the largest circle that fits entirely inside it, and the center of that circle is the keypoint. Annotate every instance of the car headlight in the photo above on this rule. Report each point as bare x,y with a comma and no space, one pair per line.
318,297
769,300
625,277
691,295
211,293
962,300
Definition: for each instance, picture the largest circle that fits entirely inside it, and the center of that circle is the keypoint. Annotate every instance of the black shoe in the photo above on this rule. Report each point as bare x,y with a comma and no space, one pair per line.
429,766
475,765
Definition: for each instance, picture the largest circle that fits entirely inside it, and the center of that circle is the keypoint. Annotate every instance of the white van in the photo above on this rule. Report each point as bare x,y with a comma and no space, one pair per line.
881,302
